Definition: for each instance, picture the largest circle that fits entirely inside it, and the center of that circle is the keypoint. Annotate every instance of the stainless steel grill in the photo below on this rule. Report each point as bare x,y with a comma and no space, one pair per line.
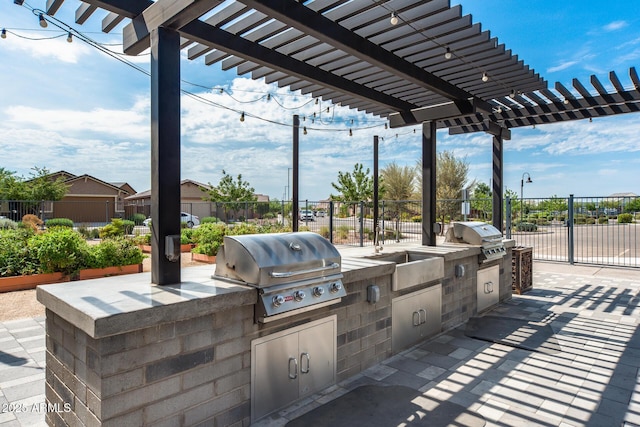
293,272
488,237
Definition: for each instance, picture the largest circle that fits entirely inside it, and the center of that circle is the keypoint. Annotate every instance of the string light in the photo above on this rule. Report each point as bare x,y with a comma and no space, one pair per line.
512,94
242,117
43,23
350,132
448,54
485,77
69,38
394,18
4,33
304,130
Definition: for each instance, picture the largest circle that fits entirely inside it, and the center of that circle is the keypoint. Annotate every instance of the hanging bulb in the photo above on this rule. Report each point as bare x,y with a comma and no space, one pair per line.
327,109
485,77
512,94
69,38
394,18
448,54
268,97
304,130
316,101
221,91
350,132
590,119
386,126
351,121
43,23
4,33
242,117
566,101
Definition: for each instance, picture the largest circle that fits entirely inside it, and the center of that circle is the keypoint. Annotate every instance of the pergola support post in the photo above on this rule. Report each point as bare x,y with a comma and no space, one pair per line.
165,155
496,191
295,200
429,158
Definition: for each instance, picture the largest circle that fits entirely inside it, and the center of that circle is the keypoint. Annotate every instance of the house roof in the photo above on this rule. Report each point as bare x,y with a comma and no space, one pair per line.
147,193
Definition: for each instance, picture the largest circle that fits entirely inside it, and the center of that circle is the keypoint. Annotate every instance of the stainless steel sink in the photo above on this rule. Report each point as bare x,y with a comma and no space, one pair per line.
413,268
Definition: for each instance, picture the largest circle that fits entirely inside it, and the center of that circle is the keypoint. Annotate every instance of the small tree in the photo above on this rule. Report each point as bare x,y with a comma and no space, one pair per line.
233,193
482,200
399,186
354,187
451,178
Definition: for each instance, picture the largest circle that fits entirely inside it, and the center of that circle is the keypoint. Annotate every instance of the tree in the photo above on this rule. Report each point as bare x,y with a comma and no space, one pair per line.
233,193
399,186
39,186
481,199
451,179
354,187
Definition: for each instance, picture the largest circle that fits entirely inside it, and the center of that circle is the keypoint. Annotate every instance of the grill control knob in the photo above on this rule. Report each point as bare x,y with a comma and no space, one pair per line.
318,291
298,295
335,287
278,300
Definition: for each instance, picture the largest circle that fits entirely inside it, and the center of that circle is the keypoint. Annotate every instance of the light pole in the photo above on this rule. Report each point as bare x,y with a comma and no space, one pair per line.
522,181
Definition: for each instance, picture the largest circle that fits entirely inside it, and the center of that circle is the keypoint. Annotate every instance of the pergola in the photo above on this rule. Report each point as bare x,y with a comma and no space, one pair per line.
410,61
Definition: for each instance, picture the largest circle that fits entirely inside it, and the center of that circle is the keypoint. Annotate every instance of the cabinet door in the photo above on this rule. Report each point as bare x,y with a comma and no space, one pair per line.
415,316
276,374
317,355
488,287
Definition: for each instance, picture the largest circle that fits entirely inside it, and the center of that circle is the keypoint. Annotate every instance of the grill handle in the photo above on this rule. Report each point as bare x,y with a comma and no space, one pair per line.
331,266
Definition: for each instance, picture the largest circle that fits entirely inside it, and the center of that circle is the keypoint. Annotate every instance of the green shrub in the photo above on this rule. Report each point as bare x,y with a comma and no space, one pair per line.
625,218
58,222
343,231
526,226
268,215
324,231
137,218
60,249
208,238
209,219
603,220
95,233
416,218
114,251
186,236
117,227
6,223
242,228
15,257
142,239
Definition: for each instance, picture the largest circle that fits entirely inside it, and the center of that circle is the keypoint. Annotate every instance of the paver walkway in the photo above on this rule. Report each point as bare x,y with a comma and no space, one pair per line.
593,381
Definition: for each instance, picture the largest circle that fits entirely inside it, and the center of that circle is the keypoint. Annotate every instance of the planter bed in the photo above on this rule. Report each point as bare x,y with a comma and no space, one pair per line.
183,248
209,259
19,283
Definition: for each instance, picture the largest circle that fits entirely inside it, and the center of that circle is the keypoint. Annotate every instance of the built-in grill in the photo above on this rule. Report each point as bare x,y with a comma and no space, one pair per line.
293,272
488,237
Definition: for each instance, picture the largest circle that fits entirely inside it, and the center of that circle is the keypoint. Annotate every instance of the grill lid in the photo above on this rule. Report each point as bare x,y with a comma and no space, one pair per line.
474,233
271,259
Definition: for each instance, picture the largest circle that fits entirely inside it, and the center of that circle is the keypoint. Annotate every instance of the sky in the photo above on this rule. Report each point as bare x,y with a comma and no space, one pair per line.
73,107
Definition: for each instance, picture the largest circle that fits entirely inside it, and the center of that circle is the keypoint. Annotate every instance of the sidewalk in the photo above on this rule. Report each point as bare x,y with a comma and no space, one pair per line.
594,381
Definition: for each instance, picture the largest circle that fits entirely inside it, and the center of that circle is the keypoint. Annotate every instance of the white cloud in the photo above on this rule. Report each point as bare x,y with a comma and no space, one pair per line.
615,25
58,49
562,66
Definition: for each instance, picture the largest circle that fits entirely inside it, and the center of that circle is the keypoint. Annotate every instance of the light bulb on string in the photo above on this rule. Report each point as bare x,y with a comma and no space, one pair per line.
485,77
350,132
394,18
304,130
4,33
69,38
242,117
43,22
448,54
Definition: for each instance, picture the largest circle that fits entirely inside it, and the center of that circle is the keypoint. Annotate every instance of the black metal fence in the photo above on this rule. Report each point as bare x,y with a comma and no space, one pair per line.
588,230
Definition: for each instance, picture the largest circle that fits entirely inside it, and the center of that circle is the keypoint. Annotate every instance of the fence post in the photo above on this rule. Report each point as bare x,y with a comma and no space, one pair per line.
508,217
361,223
106,213
331,221
383,233
570,230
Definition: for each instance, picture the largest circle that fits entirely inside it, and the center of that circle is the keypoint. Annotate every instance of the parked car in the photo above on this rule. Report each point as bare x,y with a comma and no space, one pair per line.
321,214
306,215
187,218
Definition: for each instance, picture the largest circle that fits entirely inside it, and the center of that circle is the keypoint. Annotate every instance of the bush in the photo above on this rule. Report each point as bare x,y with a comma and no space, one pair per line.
15,258
625,218
416,218
242,228
142,239
6,223
209,219
117,227
114,251
324,231
343,231
137,218
59,222
603,220
186,236
526,226
60,249
208,238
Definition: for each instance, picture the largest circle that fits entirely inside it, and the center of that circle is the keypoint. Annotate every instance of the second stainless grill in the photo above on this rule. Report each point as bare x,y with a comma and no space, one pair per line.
488,237
293,272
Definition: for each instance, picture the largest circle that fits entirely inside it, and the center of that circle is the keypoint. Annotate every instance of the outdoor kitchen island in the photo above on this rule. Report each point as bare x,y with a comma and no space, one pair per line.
122,351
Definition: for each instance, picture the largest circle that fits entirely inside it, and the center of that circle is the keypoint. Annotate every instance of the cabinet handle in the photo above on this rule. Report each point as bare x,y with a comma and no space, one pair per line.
488,287
302,357
416,323
295,368
423,320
